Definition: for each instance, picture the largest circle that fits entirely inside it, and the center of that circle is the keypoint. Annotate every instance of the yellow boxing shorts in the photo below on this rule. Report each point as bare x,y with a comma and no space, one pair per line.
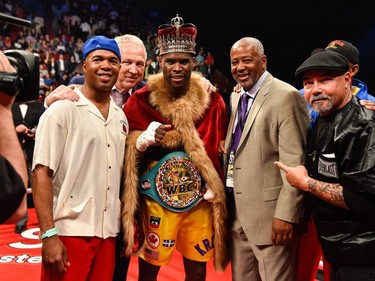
190,231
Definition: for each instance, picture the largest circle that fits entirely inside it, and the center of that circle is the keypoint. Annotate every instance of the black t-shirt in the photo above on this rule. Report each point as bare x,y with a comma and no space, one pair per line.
12,190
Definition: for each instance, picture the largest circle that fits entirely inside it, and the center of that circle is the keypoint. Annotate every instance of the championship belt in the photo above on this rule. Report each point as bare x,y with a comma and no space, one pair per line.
174,182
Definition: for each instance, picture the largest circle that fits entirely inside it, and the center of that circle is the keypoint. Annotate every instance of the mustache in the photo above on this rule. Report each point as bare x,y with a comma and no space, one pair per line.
319,97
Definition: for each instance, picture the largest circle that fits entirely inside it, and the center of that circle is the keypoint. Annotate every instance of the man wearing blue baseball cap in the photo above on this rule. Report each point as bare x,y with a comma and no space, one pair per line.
95,43
77,170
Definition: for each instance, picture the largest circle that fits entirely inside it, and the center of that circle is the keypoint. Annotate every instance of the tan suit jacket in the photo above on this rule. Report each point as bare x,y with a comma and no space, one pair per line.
275,129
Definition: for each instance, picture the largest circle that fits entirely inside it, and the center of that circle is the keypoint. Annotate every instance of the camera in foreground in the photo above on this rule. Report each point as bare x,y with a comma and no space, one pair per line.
25,83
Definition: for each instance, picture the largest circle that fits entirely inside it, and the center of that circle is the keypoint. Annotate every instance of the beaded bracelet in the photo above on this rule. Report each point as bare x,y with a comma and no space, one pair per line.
49,233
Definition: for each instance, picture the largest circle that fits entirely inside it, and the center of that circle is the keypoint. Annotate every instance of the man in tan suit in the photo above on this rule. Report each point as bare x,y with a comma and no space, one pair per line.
265,208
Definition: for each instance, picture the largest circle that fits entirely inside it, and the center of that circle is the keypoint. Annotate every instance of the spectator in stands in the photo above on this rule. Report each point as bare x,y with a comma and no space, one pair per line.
210,64
149,69
200,58
62,65
52,67
71,65
64,80
85,28
39,24
50,82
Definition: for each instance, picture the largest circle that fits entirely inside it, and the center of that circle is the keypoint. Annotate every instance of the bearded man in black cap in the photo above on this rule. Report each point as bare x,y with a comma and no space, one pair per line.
175,129
339,176
310,252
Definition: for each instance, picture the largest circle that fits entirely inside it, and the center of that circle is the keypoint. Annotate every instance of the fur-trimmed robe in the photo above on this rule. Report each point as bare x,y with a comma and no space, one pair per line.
199,122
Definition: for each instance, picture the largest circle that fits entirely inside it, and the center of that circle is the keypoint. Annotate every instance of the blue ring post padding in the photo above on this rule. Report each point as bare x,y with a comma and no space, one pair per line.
151,176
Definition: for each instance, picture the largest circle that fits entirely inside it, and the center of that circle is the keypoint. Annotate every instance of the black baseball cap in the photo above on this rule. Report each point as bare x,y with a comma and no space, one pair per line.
346,49
325,60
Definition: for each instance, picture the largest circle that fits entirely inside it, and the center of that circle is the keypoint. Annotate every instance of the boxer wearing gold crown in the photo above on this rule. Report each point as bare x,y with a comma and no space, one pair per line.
171,159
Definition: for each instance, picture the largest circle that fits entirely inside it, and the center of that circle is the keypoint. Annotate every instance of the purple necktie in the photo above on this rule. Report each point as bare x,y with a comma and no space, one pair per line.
126,96
120,98
240,121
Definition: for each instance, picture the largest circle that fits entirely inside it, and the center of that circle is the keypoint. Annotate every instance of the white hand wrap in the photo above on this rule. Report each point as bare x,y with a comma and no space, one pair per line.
147,138
209,195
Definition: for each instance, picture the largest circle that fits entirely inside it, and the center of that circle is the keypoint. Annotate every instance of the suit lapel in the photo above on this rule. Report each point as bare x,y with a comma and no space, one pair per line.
31,112
235,97
256,106
17,115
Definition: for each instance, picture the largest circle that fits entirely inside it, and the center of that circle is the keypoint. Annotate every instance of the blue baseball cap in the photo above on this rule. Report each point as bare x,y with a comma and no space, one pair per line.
98,42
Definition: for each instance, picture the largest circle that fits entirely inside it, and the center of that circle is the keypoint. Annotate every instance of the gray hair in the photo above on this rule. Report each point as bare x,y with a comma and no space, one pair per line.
250,41
130,38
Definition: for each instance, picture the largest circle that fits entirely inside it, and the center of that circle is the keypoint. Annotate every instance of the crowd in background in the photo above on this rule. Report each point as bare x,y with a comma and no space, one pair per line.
57,35
60,28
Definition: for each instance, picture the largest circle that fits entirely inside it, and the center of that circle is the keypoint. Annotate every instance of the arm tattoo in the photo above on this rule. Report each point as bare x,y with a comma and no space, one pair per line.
329,192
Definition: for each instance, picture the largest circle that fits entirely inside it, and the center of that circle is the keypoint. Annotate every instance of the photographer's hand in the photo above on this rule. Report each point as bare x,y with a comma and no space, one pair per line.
10,148
5,66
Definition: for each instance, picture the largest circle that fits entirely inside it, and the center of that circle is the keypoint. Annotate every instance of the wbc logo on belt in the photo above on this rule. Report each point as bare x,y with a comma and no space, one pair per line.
174,182
178,182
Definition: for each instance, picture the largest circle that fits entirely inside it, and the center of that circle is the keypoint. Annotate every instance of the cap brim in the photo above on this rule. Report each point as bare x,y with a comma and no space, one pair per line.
78,68
299,72
324,60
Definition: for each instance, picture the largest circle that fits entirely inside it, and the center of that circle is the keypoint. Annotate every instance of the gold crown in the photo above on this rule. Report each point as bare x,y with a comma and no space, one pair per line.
177,37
